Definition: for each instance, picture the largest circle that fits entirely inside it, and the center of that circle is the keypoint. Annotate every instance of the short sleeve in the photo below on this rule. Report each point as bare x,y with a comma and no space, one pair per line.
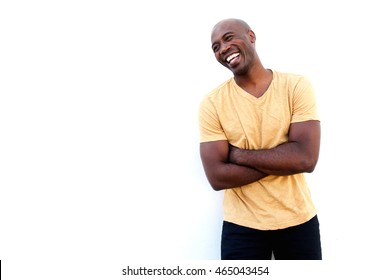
209,124
304,102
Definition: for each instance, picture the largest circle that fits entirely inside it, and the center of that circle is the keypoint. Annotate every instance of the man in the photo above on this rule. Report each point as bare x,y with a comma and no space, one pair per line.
259,134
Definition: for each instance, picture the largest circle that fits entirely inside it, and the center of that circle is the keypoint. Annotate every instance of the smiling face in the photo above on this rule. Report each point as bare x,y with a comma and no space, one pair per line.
233,44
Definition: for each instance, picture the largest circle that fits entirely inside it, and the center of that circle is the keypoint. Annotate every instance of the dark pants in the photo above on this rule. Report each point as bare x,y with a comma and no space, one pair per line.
301,242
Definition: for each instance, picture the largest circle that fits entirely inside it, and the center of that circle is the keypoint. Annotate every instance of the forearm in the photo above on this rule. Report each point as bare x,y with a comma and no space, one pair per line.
221,173
229,175
286,159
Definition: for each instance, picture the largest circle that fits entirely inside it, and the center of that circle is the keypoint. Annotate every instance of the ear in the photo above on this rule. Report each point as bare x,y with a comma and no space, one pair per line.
252,36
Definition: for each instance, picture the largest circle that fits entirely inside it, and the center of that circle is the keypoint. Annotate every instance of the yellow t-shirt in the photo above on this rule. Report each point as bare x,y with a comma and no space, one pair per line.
230,113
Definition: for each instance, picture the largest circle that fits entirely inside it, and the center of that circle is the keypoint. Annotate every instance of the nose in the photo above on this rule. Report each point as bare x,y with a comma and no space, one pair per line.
224,48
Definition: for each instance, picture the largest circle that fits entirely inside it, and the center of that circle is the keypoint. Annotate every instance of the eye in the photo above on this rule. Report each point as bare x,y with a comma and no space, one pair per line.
215,48
228,37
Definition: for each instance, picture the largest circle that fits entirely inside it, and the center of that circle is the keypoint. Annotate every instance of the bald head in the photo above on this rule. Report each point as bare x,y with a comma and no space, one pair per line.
238,24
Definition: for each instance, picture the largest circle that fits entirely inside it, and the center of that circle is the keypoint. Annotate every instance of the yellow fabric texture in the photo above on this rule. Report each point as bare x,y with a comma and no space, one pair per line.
230,113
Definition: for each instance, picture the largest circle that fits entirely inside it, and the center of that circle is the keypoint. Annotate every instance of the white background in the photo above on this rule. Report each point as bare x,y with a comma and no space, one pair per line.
99,134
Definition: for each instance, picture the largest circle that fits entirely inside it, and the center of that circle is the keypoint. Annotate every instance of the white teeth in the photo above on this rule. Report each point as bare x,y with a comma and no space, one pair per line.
231,57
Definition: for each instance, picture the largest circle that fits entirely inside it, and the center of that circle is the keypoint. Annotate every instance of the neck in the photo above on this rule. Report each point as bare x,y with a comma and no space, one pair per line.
254,73
256,81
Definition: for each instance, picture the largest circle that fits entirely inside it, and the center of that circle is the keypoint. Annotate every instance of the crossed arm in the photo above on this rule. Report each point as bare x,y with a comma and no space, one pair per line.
227,166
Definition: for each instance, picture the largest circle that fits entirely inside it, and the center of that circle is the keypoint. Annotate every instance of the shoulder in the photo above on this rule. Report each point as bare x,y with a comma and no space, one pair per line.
290,78
218,92
293,84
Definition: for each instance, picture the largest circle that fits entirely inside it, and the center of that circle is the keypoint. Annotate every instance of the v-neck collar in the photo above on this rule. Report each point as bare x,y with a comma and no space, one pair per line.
251,97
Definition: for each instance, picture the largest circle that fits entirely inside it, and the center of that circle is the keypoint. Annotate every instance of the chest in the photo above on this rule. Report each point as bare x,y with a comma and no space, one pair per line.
254,125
